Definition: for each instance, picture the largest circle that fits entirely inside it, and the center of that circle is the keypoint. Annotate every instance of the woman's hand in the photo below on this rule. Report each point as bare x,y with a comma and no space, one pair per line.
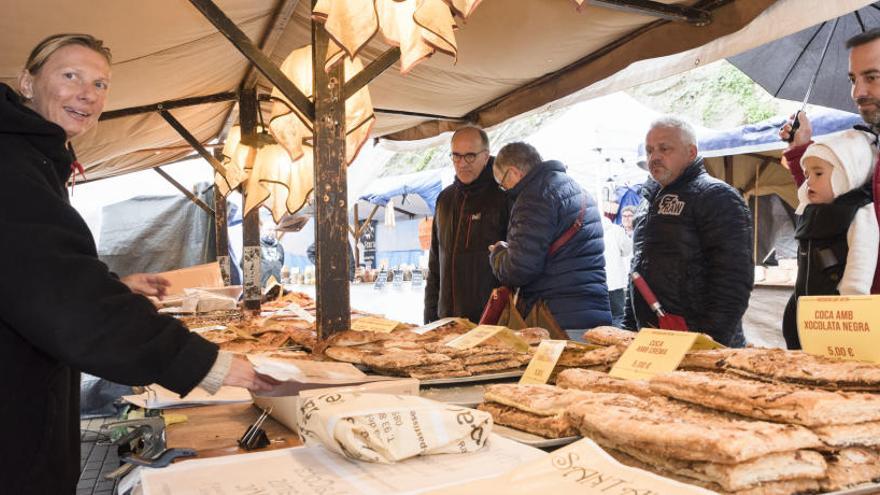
242,374
147,284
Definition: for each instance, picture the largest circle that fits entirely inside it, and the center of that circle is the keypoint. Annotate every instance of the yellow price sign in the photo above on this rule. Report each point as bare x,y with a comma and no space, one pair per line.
482,333
374,324
543,362
844,327
653,352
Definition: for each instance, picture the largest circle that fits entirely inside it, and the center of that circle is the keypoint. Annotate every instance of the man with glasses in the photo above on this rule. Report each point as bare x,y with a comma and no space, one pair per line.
554,250
470,215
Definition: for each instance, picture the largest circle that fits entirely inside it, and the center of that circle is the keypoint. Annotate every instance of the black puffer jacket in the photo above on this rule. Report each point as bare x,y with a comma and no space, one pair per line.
467,220
822,252
547,201
61,311
692,243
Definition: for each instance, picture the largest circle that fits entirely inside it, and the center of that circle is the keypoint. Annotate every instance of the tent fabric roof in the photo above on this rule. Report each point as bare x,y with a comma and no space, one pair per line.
514,57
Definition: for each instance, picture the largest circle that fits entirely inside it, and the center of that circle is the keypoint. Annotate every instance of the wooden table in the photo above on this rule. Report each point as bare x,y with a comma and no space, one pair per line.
213,431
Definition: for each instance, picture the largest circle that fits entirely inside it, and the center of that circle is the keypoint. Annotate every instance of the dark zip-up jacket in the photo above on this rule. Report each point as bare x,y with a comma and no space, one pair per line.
468,219
822,252
692,243
61,311
547,201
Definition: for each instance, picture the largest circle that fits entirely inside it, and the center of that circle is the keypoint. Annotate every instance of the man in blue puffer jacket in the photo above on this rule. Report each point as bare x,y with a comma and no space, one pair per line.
692,240
550,207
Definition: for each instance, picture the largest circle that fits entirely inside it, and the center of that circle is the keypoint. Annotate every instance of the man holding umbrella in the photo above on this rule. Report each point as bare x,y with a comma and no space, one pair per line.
864,74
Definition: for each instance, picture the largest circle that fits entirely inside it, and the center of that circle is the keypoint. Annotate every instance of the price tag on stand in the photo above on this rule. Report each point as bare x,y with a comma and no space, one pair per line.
653,352
434,325
483,333
844,327
374,324
543,362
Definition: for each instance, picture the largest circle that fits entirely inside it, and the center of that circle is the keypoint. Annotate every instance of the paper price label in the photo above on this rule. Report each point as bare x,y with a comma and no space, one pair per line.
653,352
437,324
299,312
543,362
374,324
475,337
581,468
844,327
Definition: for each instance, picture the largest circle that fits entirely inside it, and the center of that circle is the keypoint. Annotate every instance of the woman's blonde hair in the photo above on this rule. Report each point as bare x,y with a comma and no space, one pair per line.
50,45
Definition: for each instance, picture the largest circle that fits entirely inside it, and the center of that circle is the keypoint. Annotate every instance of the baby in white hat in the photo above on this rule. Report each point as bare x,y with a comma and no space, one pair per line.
837,231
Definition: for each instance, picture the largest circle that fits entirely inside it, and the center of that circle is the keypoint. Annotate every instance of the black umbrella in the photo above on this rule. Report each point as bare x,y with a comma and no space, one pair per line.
816,56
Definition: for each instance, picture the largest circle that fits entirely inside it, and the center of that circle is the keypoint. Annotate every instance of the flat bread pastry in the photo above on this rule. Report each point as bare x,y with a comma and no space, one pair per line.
346,354
609,336
851,467
802,368
353,337
489,357
781,466
556,426
532,335
779,402
596,381
403,359
706,359
663,427
854,435
789,487
576,357
438,375
542,400
497,366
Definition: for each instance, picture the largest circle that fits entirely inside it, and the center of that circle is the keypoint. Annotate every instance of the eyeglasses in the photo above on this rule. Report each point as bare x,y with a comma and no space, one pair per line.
467,157
501,180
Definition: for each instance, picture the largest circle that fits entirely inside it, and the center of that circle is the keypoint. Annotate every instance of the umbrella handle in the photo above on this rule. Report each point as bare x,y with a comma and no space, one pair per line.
647,293
794,127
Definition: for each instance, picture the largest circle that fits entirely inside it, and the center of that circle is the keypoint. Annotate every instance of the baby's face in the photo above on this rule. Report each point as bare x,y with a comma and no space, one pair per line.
818,174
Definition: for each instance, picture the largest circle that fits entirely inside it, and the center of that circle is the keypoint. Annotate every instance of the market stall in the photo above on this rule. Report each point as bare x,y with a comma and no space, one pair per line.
351,436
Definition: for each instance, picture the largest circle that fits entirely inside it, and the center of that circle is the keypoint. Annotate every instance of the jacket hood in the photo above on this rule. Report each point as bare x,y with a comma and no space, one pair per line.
852,155
48,137
485,178
541,169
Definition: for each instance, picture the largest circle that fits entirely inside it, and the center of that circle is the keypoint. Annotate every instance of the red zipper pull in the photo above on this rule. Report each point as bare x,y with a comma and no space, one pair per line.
75,167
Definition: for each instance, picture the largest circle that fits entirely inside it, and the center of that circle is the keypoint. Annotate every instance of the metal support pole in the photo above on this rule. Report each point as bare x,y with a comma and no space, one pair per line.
221,230
331,193
678,13
728,170
189,138
247,48
251,257
186,192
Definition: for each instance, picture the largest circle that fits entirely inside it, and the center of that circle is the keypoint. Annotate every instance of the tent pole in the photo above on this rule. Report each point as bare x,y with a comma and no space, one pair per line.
664,11
370,72
758,170
221,229
251,257
331,192
728,170
186,192
241,41
189,138
356,234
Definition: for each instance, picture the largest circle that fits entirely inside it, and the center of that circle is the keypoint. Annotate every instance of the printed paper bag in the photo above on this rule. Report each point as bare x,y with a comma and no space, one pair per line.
387,428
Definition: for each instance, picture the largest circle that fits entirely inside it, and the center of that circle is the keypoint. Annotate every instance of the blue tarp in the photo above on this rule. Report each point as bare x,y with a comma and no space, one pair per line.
764,136
425,184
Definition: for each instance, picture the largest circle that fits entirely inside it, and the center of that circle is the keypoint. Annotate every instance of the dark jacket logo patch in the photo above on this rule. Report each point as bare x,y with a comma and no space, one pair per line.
670,205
